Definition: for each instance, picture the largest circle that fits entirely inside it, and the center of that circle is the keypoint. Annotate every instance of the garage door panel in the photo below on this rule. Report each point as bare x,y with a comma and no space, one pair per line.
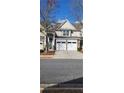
72,45
61,45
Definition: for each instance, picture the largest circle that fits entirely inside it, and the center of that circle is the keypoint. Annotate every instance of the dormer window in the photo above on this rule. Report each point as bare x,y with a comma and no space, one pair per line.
65,33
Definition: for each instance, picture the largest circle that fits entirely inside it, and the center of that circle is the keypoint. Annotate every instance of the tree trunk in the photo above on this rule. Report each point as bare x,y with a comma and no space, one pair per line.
46,49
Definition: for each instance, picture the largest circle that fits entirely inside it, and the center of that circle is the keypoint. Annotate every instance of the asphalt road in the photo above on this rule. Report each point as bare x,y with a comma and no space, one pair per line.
54,71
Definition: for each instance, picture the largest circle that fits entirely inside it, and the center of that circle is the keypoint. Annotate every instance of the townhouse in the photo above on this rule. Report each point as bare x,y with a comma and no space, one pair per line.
68,37
63,37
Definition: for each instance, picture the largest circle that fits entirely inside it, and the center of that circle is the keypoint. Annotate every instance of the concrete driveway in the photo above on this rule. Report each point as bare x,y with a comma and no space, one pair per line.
68,55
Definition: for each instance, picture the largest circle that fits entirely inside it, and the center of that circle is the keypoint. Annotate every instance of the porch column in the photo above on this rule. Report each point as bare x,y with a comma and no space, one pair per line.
53,42
48,43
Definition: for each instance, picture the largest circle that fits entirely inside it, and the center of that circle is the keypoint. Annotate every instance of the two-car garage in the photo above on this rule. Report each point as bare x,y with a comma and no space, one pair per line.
65,44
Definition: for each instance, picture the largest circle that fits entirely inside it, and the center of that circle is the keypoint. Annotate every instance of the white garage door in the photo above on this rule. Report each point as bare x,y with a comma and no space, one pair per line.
72,45
61,45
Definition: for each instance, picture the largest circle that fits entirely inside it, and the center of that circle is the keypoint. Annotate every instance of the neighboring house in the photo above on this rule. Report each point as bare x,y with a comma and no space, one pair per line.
68,37
51,36
79,26
42,38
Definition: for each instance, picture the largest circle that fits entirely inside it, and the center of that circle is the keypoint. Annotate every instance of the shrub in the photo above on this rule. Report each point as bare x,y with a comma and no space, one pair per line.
79,49
41,51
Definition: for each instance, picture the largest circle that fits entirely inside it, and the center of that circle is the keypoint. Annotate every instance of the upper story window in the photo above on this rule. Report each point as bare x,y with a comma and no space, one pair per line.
65,33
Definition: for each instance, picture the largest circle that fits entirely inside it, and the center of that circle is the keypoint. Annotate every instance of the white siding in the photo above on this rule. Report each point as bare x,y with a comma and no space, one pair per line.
42,40
77,34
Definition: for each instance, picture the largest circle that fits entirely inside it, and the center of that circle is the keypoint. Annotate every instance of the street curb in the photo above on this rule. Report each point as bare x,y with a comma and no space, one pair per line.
61,90
48,88
59,58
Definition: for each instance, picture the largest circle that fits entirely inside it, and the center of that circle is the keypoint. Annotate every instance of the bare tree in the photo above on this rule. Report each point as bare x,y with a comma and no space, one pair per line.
77,9
77,12
47,6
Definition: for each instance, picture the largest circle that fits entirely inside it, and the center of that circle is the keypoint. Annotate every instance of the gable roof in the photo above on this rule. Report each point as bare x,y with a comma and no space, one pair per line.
67,26
56,26
78,26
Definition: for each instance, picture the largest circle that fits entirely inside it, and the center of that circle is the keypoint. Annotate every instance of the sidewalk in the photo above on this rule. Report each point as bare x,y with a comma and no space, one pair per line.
64,55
